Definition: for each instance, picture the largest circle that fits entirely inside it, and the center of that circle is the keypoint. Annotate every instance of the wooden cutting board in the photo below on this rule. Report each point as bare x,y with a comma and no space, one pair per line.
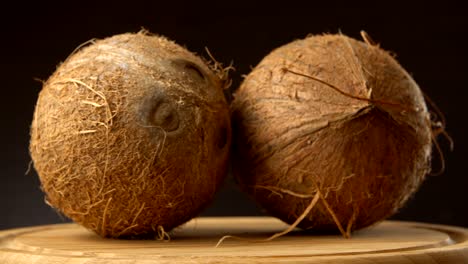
388,242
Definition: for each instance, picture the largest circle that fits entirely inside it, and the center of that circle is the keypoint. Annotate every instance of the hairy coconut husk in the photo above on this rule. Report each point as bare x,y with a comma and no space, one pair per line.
335,118
131,136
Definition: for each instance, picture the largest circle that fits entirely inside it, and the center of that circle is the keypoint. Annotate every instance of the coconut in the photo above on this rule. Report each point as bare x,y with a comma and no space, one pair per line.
131,136
330,133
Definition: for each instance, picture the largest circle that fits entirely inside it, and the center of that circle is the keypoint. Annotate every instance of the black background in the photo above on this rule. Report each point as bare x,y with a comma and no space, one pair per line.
430,42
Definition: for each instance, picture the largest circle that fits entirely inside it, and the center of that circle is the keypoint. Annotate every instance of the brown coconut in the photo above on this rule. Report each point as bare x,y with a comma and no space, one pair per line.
131,136
335,119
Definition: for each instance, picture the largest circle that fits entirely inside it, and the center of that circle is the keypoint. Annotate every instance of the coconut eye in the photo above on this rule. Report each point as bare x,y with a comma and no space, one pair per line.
165,115
191,68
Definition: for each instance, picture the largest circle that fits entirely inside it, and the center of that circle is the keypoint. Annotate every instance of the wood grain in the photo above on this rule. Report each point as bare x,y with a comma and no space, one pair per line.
388,242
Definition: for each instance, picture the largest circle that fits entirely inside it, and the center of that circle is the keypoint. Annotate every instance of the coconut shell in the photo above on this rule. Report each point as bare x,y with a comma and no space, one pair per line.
131,136
332,116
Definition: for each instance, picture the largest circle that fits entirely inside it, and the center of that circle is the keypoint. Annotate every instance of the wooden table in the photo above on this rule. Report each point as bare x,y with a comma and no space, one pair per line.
388,242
